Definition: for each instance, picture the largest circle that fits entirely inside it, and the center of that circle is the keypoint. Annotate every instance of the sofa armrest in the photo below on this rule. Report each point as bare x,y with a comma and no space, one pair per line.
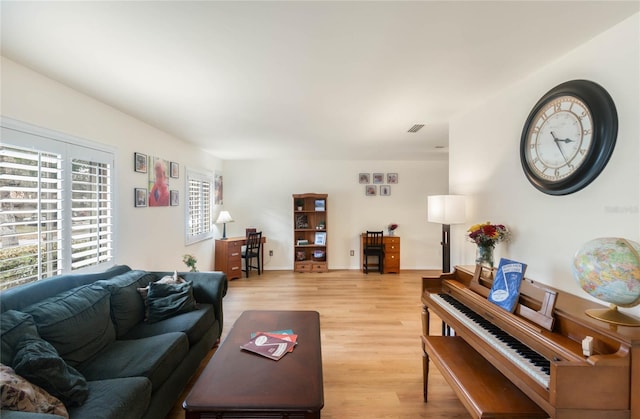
208,288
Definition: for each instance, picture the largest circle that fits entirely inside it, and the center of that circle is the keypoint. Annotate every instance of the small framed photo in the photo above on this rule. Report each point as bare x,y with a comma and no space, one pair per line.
174,198
364,178
140,162
378,178
385,190
140,197
174,170
392,178
370,190
321,239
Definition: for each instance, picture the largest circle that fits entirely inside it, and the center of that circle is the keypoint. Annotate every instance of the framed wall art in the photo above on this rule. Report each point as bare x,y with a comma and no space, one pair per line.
140,197
370,190
378,178
385,190
140,162
174,170
392,178
175,198
364,178
158,182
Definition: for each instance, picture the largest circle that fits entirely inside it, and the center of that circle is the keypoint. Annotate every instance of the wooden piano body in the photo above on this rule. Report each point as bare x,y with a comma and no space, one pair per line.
553,324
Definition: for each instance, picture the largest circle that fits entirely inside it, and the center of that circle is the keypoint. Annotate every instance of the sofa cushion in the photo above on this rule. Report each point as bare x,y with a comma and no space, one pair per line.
37,361
194,323
155,357
14,327
127,308
115,399
76,322
20,395
167,300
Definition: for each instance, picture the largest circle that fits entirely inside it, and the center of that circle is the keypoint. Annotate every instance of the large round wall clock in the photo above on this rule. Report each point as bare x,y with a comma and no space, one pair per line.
568,137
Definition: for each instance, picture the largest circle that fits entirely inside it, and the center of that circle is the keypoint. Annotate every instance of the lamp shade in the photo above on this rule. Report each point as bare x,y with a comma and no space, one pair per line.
224,217
446,209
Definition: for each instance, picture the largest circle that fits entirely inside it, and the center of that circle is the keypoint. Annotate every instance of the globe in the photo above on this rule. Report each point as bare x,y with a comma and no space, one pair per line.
609,270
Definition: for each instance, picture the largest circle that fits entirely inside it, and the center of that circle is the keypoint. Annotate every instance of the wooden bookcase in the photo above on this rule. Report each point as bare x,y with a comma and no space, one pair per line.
310,234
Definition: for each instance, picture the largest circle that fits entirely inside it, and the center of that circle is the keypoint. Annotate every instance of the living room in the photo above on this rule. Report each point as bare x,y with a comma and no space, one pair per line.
482,163
474,151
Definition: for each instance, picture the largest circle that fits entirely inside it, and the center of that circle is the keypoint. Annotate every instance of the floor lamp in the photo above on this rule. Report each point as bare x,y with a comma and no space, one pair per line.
446,210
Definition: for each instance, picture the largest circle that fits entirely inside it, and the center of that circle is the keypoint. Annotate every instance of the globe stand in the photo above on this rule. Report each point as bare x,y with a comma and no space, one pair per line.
612,315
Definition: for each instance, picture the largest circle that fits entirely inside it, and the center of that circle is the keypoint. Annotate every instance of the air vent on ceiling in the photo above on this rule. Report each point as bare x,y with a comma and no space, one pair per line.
416,128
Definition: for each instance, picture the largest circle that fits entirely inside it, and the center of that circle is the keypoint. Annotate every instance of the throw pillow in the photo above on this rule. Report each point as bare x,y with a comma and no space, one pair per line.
14,327
19,394
38,361
167,300
144,292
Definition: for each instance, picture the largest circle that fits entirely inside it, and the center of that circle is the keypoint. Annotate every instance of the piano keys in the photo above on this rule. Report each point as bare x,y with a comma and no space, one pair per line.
538,348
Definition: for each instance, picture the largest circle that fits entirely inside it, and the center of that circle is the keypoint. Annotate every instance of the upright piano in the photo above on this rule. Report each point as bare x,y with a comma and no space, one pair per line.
529,363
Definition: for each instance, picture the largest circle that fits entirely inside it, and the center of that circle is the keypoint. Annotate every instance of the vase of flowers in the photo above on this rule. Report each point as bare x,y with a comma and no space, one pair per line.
190,261
486,236
392,228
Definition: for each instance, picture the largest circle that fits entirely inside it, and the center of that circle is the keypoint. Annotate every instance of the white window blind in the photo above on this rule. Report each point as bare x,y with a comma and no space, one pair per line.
56,206
30,216
91,219
199,223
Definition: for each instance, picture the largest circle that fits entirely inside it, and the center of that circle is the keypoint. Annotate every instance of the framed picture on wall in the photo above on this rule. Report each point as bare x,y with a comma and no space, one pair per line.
370,190
140,197
385,190
364,178
175,198
140,162
392,178
378,178
174,170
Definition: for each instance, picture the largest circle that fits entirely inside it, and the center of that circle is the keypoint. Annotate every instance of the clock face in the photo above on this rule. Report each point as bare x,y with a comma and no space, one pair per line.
559,138
568,137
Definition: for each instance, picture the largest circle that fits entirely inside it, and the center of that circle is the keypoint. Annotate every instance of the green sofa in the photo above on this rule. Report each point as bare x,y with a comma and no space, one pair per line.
92,327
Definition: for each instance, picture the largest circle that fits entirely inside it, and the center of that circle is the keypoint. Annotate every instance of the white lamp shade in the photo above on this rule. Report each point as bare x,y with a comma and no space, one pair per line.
224,217
446,209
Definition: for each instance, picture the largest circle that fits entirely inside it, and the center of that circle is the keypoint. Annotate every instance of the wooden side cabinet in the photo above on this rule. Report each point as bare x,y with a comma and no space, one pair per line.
391,253
228,257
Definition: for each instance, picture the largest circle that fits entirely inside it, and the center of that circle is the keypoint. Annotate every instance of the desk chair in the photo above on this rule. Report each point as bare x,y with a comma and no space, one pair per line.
373,246
252,252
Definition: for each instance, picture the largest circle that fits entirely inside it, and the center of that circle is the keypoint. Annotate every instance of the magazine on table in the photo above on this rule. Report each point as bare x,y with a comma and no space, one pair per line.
272,345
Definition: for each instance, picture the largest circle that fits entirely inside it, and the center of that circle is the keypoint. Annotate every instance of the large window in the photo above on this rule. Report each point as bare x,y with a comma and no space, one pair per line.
199,222
56,212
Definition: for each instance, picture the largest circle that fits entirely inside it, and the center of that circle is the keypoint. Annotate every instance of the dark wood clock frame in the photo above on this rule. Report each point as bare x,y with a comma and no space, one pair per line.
605,132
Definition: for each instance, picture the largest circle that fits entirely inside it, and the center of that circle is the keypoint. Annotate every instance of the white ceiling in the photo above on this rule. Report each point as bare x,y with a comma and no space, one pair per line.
326,79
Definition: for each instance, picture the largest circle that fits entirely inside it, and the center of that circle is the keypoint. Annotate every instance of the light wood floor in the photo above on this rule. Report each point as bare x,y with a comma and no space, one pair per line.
370,327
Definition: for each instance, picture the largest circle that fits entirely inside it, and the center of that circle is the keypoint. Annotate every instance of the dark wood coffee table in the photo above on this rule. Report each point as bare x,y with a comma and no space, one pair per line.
240,384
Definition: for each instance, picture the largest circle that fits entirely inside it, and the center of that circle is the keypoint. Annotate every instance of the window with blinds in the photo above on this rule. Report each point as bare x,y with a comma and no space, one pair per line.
56,209
199,223
31,215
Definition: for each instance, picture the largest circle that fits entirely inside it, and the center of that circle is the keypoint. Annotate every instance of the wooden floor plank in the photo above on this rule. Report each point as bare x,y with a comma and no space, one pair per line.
370,328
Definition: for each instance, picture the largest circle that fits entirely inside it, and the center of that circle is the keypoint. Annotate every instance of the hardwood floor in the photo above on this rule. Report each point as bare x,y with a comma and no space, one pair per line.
370,327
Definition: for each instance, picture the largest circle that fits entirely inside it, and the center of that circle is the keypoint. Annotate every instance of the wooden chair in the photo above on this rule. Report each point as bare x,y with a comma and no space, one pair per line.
373,246
252,252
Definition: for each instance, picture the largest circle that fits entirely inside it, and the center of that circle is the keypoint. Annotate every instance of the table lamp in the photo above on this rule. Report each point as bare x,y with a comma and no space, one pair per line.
446,210
224,218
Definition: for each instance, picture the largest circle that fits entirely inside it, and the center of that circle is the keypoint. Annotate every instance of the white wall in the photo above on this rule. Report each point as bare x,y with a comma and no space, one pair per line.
259,194
548,230
147,238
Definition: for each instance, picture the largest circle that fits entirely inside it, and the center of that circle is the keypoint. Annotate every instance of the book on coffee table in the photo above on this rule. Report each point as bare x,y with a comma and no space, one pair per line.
269,346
